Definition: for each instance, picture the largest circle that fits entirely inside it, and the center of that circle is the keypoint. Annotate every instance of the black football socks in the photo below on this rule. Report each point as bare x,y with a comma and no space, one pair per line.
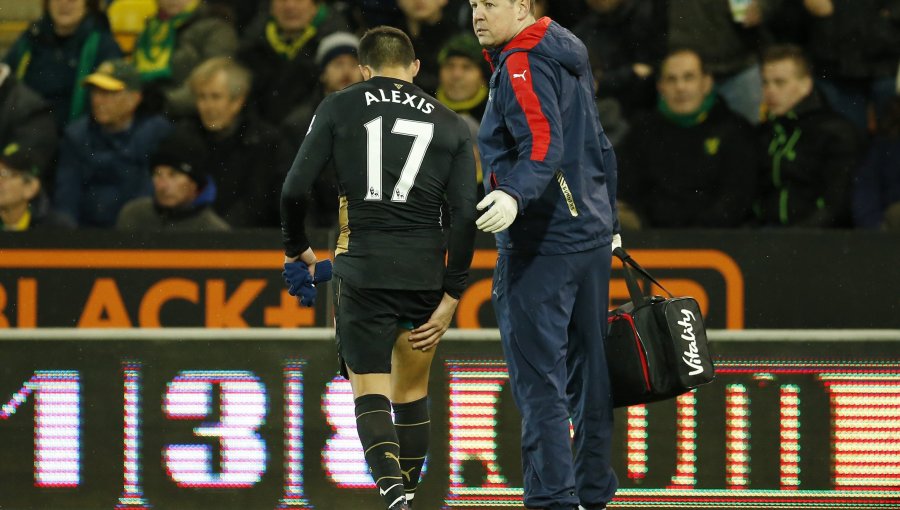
379,442
413,424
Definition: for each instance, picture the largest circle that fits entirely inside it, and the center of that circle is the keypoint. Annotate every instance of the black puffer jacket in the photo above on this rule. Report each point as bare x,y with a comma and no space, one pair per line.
248,166
811,154
689,176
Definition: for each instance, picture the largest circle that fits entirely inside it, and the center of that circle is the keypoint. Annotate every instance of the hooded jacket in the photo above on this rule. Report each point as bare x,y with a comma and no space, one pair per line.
686,176
812,155
542,143
99,172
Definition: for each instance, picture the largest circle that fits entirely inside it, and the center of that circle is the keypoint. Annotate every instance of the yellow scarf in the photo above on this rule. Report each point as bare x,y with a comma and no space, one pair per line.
21,225
288,49
153,51
465,105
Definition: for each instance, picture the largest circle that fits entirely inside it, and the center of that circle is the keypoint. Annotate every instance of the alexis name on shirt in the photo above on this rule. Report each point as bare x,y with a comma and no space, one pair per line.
410,100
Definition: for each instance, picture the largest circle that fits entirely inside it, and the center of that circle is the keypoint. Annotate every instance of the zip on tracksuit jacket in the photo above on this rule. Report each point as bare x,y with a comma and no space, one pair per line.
541,142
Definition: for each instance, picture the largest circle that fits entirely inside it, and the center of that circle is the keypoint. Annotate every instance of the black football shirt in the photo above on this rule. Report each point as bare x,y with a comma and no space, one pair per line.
399,155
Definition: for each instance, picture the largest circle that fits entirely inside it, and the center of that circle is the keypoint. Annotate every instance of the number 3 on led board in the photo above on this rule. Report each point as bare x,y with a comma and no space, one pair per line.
421,131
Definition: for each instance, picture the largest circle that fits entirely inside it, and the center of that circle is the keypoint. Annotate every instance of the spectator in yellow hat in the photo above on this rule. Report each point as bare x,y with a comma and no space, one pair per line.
103,156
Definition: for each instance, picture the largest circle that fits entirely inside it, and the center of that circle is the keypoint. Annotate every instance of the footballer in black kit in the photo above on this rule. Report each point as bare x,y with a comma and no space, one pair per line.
399,155
398,152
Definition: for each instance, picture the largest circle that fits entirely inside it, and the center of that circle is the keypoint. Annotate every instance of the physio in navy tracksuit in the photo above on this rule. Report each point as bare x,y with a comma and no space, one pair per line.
550,175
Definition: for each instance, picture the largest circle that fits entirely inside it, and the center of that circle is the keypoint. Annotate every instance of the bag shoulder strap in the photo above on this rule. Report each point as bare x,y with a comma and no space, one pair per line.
637,295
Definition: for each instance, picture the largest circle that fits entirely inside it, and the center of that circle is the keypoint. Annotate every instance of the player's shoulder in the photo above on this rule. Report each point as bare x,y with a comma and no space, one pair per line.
346,94
440,108
450,120
402,97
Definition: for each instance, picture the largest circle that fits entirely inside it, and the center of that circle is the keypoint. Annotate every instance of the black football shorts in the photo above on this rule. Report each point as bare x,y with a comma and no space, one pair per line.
367,322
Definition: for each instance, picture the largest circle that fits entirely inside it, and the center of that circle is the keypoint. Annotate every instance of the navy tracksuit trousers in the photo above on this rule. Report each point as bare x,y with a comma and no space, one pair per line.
551,310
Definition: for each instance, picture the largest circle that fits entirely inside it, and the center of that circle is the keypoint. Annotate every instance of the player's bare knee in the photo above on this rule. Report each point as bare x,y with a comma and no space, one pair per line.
405,394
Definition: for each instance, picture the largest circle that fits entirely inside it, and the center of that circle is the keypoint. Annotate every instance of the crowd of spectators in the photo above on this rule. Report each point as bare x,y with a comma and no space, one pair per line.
724,113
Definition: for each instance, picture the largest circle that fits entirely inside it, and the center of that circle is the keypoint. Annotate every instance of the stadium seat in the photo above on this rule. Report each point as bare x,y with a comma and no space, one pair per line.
127,18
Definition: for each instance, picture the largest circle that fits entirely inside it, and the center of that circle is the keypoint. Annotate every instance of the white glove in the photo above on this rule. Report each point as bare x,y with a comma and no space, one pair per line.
500,215
617,241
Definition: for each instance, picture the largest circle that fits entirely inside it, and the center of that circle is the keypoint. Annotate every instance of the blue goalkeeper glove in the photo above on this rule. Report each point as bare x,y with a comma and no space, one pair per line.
302,284
324,269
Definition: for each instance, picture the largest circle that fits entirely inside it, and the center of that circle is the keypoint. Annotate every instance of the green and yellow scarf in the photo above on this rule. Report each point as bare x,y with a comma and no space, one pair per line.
462,106
688,119
153,51
289,48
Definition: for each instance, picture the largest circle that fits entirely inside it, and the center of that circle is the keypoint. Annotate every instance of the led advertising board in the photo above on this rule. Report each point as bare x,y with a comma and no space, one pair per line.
268,424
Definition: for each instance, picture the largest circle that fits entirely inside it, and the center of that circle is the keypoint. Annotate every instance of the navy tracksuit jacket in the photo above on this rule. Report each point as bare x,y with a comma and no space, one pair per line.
541,142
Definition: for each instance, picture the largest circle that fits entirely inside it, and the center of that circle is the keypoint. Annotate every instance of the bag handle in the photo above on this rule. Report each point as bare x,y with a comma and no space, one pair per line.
637,295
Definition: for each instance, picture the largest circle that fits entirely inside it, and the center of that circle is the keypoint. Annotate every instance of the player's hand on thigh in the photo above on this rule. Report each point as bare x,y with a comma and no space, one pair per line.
428,335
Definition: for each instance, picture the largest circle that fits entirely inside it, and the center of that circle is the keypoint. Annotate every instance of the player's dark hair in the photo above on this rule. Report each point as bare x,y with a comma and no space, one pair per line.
385,47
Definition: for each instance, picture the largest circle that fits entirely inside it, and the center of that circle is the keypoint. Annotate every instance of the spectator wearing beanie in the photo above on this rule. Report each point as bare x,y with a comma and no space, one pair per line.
183,193
338,65
281,54
342,47
463,80
463,77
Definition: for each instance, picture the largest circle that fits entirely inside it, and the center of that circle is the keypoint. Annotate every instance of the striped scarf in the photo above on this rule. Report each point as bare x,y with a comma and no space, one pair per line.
154,48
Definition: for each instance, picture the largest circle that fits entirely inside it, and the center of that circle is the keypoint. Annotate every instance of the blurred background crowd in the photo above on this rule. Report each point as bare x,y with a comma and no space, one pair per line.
186,114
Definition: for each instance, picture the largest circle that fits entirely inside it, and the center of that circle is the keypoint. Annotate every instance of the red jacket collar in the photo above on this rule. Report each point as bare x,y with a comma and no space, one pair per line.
530,36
